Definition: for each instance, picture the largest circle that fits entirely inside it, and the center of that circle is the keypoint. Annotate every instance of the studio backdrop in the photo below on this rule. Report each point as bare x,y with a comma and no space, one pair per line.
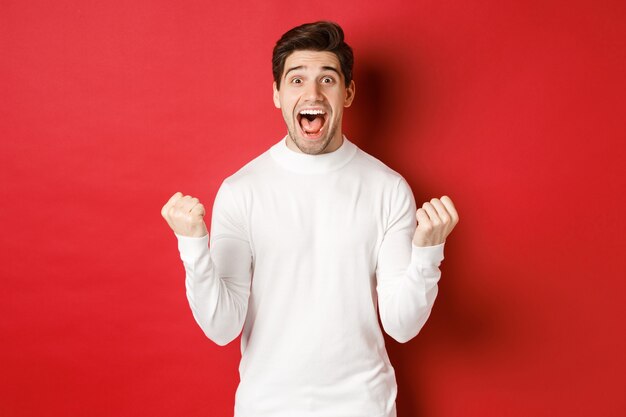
513,109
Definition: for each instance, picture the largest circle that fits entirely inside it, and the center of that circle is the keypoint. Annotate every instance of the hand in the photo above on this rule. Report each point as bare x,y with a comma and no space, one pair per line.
185,215
435,221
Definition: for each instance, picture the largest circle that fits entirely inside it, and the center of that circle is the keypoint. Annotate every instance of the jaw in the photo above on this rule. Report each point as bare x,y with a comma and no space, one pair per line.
314,144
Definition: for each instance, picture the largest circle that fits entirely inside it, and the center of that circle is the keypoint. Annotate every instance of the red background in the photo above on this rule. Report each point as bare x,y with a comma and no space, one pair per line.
514,109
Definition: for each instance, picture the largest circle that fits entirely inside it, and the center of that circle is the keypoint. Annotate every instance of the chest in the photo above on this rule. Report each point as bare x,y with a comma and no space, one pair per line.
317,218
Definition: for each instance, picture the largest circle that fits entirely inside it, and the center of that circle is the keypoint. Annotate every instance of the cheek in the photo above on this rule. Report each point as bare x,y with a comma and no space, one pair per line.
287,113
287,103
339,100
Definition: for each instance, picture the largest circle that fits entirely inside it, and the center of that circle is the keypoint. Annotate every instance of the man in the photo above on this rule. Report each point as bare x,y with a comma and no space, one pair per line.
308,241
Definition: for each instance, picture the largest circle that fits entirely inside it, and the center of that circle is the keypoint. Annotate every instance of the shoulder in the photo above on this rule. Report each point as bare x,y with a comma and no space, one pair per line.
388,184
250,172
234,191
376,170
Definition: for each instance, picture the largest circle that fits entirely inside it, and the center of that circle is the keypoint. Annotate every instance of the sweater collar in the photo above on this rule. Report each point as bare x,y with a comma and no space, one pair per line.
312,164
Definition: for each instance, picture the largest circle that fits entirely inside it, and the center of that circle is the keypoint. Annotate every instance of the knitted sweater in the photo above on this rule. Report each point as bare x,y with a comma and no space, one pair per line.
305,252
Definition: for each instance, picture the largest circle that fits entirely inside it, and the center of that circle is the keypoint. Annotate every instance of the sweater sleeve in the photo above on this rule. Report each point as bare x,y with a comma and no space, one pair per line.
406,274
218,279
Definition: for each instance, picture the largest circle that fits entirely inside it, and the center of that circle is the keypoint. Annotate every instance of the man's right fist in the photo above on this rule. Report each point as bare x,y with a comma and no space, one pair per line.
185,215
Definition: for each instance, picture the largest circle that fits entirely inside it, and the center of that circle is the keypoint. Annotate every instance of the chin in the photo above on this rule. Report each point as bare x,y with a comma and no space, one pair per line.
310,147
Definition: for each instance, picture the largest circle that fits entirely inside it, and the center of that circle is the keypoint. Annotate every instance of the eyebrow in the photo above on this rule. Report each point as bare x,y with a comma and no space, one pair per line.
325,68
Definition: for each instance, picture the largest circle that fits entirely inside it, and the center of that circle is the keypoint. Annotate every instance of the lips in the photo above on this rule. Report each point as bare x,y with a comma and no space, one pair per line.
312,121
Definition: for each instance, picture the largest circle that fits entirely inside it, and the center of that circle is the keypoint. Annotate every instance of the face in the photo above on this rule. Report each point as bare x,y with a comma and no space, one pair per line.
312,97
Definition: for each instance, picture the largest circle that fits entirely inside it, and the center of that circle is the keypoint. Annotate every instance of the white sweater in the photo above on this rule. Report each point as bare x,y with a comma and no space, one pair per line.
305,250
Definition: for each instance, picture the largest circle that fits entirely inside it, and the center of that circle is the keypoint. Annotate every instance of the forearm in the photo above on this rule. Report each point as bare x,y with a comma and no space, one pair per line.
406,300
217,284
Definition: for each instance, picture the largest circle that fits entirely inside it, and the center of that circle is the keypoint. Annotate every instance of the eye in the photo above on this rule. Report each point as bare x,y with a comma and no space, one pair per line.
327,80
296,81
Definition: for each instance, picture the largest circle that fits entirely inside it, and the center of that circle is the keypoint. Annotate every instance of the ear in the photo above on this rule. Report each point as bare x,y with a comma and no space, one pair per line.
350,91
276,96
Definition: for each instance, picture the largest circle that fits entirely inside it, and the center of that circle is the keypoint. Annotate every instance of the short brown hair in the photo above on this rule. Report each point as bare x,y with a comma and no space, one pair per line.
317,36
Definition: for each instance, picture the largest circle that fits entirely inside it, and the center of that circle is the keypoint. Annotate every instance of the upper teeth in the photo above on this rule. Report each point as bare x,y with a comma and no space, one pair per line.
311,111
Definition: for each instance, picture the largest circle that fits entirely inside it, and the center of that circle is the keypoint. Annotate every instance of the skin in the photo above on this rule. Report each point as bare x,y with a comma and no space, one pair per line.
185,215
314,79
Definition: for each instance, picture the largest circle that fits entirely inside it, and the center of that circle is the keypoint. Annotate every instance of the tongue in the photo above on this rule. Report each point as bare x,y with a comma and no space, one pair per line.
312,126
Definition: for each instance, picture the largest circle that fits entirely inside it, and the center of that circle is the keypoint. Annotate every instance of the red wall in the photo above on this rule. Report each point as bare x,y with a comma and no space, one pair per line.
514,109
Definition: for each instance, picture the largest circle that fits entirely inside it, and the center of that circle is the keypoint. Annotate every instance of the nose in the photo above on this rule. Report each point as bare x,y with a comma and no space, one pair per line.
312,92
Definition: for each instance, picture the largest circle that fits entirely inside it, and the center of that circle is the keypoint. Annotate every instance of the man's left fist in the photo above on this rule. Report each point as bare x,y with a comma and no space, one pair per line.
435,221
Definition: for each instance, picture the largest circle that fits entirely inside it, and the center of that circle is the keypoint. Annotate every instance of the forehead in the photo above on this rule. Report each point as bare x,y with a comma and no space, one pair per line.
312,61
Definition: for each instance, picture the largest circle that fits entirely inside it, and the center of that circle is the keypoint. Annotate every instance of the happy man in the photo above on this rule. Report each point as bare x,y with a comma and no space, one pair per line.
310,241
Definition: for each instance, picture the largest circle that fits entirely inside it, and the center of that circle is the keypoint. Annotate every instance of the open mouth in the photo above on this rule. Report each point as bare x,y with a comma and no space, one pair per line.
312,122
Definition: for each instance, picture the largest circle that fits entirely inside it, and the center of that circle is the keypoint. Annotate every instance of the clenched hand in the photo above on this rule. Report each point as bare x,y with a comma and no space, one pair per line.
185,215
435,221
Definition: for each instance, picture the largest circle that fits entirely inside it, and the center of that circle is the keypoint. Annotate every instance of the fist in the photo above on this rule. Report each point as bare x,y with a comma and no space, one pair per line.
435,221
185,215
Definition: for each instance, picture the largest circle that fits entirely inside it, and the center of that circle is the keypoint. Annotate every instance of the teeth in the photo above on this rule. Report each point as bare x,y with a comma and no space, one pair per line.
311,111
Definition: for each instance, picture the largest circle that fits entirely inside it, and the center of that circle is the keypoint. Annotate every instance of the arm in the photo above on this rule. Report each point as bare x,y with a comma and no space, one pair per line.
218,279
407,274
